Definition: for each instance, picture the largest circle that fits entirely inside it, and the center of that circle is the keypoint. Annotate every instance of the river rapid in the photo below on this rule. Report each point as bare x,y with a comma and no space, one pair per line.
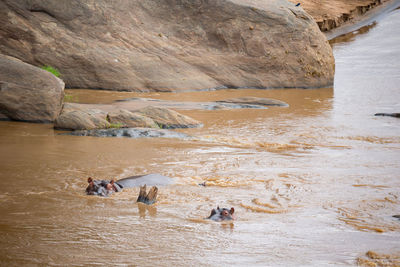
315,183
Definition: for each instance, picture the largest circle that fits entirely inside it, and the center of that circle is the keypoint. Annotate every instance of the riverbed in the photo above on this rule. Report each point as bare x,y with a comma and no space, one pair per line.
315,183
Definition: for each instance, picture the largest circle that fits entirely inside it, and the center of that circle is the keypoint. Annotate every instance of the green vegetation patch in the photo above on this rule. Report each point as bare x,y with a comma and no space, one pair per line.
115,125
69,98
51,70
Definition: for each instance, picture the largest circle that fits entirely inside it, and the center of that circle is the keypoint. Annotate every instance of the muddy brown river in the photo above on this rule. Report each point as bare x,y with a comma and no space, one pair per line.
313,184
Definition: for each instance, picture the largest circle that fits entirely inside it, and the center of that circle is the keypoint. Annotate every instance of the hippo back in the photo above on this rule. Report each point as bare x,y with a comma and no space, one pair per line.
149,180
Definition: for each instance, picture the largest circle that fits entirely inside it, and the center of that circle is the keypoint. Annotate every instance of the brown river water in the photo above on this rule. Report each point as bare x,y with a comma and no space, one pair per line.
313,184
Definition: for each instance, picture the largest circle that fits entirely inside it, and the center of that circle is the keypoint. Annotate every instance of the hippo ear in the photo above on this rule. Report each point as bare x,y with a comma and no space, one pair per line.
213,212
232,211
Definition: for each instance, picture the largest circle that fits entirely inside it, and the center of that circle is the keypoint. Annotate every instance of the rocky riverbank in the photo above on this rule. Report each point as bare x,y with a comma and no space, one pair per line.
147,113
159,46
333,14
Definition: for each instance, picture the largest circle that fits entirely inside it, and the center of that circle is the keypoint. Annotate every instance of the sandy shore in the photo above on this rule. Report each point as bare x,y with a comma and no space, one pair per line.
334,13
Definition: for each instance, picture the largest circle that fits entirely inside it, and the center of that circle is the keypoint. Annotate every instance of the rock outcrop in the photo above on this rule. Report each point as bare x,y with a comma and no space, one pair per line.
169,119
169,45
128,119
28,93
91,117
79,117
148,113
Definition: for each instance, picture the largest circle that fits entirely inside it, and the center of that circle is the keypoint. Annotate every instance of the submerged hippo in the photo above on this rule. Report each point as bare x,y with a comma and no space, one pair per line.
102,187
105,187
223,214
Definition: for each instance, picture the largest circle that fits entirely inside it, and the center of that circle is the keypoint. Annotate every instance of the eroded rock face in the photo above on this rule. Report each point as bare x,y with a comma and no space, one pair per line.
28,93
168,45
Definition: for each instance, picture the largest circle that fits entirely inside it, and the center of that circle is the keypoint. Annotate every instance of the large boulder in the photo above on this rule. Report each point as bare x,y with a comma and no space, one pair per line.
91,116
79,117
167,45
169,119
28,93
128,119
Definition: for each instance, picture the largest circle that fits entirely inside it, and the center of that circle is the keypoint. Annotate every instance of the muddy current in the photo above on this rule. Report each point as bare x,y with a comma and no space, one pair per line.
315,183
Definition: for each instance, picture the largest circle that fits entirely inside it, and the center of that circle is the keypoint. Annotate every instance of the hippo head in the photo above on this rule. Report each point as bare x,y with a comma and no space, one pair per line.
92,188
223,214
96,188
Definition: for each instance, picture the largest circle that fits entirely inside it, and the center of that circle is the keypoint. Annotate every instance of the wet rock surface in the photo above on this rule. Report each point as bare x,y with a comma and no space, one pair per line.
3,117
130,133
28,93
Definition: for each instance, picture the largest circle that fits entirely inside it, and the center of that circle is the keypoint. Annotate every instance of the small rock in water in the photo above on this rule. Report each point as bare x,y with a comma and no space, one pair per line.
396,115
251,100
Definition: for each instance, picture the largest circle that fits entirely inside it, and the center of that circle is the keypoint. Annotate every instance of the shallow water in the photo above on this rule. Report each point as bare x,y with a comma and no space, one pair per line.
315,183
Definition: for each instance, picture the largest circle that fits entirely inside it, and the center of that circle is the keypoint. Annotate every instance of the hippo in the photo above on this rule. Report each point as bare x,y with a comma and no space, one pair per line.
99,187
105,187
223,214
